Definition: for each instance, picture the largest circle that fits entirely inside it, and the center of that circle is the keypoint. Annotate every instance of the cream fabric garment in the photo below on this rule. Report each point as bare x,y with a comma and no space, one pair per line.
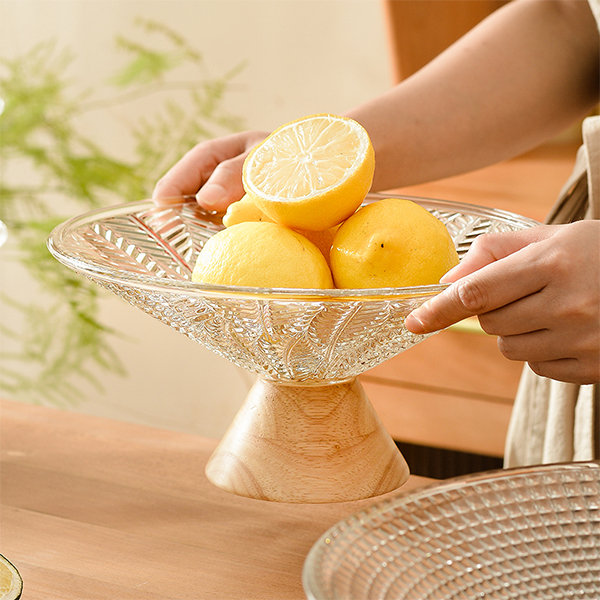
553,421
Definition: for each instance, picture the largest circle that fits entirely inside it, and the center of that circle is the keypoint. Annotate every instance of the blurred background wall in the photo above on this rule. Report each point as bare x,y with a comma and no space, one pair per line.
283,59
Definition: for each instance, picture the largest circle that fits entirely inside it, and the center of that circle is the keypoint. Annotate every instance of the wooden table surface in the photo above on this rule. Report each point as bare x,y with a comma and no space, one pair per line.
100,509
97,509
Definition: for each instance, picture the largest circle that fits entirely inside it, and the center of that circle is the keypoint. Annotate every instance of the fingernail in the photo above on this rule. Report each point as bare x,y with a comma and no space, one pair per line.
447,277
414,324
211,196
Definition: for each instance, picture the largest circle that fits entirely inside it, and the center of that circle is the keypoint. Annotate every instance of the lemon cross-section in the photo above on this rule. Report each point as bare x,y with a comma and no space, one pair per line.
11,583
312,173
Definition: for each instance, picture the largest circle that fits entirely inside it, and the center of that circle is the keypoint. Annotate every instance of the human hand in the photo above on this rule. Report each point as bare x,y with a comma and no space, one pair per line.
211,171
538,290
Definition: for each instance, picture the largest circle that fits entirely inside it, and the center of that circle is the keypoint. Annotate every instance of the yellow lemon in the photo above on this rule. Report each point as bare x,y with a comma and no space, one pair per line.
261,254
391,243
323,240
311,173
245,210
242,211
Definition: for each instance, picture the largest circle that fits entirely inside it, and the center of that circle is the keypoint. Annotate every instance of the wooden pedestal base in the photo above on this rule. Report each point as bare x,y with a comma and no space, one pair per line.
291,443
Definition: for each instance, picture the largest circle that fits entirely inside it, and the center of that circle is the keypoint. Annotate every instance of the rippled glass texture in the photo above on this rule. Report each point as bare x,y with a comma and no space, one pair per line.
145,255
527,534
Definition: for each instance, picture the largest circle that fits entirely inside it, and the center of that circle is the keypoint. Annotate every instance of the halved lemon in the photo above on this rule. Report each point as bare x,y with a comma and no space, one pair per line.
312,173
11,584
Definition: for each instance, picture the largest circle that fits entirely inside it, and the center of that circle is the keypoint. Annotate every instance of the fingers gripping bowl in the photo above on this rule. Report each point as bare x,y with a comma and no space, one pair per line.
296,340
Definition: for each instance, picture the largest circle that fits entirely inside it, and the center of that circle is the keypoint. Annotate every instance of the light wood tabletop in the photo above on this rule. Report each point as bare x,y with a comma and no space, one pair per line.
98,509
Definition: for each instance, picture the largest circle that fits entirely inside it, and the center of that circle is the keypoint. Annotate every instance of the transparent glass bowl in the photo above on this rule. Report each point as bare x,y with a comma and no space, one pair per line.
306,431
146,254
526,533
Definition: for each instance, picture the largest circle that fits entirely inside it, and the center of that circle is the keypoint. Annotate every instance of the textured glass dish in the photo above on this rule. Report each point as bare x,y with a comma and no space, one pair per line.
146,254
527,533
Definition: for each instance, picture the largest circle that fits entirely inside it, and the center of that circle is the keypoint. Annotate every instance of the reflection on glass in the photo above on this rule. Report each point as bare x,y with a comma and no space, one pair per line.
3,233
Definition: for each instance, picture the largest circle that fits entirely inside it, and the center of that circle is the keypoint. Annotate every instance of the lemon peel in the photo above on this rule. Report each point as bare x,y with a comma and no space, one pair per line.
393,242
261,254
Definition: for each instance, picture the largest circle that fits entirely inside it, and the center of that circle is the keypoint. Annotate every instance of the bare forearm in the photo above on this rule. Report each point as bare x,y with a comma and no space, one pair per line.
518,78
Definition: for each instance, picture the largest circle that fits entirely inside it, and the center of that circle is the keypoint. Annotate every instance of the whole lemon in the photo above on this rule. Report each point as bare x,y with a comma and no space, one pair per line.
246,210
391,243
261,254
243,210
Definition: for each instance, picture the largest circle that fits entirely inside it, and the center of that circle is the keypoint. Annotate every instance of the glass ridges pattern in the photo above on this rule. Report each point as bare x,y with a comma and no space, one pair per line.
530,533
284,339
145,254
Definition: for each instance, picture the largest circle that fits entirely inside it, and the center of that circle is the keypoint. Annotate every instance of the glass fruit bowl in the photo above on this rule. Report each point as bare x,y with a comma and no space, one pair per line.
307,416
529,532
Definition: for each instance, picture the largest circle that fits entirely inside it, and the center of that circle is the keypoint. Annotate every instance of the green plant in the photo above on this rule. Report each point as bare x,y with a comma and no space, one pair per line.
58,341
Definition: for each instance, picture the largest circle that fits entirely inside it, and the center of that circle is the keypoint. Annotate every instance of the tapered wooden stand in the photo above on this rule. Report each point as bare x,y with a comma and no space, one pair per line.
291,443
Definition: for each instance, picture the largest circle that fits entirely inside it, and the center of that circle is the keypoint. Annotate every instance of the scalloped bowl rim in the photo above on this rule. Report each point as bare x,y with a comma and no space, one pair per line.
57,242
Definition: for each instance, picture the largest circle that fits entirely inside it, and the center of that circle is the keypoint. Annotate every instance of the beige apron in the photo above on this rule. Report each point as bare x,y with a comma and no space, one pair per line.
553,421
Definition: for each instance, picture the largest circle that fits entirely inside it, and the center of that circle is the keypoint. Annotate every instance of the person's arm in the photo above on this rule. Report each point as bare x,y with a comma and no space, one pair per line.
522,75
